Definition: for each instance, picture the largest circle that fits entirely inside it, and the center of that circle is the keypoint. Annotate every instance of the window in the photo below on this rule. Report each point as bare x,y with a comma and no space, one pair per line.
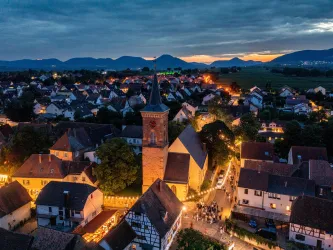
61,218
257,193
273,205
321,191
50,209
52,171
246,191
135,224
94,214
288,208
245,201
146,227
56,153
133,247
65,154
79,212
292,198
140,237
74,178
83,179
152,138
26,182
274,196
300,237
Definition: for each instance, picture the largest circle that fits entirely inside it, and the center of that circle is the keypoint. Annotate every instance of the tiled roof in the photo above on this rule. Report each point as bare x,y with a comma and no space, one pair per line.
321,172
98,221
313,212
160,205
50,239
14,241
257,151
12,197
53,194
73,140
41,166
177,168
252,179
192,143
132,131
120,237
271,168
308,153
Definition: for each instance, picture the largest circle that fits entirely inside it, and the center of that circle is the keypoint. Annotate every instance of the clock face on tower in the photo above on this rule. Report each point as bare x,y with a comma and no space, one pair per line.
152,124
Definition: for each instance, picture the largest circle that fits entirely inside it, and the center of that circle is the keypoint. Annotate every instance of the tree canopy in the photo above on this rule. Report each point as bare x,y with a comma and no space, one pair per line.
190,239
118,168
174,130
248,127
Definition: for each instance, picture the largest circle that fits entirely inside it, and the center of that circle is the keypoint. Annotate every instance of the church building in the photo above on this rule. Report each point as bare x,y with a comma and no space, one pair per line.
183,165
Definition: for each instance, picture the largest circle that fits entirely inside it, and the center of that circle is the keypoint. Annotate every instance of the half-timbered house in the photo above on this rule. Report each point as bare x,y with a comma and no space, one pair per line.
311,222
155,219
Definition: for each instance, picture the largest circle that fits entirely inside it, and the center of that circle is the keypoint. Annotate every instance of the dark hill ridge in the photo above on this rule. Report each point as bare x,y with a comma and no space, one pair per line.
163,62
306,55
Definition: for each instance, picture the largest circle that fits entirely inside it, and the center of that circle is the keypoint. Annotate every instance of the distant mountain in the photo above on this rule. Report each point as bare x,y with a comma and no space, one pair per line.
234,62
305,55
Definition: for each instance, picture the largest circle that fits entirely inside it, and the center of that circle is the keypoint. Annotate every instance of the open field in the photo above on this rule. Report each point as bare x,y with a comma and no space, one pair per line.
255,76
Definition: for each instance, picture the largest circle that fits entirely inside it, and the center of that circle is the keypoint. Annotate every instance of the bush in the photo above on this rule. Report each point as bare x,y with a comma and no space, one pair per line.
242,233
205,185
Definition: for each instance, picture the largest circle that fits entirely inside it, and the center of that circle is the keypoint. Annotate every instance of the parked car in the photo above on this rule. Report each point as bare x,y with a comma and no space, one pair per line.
253,224
267,233
270,223
219,184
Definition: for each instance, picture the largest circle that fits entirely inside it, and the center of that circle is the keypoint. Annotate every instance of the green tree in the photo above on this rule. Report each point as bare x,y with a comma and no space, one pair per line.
106,116
174,130
248,127
118,168
220,140
312,136
318,116
190,239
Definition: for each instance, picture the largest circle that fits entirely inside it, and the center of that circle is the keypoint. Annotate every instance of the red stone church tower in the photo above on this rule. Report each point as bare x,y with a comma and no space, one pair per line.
155,138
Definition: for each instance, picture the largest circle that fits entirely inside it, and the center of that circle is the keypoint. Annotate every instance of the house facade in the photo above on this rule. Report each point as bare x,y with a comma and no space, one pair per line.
14,206
66,205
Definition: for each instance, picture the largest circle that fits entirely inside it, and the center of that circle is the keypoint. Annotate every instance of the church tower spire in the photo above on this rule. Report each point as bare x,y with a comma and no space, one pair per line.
155,141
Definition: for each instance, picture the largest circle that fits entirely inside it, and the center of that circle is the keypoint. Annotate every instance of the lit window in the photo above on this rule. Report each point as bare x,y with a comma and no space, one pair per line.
65,154
273,205
288,208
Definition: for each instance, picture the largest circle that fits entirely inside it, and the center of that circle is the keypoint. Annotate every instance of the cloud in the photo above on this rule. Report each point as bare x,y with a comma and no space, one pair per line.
99,28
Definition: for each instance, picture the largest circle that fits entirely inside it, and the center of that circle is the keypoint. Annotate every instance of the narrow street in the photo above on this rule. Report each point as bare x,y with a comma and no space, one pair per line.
222,200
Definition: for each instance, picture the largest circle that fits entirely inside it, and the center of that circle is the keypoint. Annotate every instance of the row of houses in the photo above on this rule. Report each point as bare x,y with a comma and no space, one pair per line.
298,193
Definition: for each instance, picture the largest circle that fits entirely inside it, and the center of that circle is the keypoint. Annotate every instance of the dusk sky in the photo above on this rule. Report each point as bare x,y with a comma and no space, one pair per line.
201,31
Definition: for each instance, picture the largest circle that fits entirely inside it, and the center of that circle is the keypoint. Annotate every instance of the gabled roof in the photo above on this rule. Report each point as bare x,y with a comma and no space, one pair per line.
42,166
79,167
321,172
12,197
50,239
155,104
160,205
73,140
308,153
53,194
14,241
132,131
120,237
177,168
252,179
313,212
257,151
192,143
271,167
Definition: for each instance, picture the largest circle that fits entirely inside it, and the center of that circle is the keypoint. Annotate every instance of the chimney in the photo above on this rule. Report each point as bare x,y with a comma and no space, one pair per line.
259,169
49,157
66,199
204,147
40,158
285,184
